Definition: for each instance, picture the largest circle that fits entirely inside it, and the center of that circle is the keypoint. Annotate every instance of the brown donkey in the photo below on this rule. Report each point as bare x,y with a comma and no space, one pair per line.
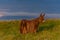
30,26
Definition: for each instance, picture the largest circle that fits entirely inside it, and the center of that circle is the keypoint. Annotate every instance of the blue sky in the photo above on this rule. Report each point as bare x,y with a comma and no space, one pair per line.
29,7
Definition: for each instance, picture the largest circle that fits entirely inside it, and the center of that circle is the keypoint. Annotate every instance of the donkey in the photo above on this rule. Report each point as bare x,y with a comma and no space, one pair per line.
35,23
31,25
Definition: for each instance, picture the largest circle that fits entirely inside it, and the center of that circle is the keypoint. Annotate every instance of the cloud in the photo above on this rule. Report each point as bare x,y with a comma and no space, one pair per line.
24,14
5,13
53,15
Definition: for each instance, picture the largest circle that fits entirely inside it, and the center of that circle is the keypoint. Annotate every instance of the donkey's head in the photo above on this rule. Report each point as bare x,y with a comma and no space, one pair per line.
41,17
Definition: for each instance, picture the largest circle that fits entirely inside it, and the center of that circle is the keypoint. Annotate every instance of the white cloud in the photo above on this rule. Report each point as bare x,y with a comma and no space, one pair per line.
56,14
25,14
4,13
53,15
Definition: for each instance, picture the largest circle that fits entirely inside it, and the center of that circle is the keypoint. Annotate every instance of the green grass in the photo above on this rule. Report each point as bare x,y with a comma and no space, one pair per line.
50,30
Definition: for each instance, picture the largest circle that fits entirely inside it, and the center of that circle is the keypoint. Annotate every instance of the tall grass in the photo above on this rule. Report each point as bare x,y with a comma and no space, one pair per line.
10,30
48,25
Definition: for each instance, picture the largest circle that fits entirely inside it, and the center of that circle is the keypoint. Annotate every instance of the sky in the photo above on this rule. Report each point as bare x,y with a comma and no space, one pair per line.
29,7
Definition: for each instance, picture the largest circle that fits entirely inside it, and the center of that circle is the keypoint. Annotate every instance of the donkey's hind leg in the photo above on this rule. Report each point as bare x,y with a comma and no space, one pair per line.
24,30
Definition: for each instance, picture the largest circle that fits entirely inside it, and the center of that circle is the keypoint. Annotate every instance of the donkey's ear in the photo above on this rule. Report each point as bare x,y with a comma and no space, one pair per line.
44,14
41,14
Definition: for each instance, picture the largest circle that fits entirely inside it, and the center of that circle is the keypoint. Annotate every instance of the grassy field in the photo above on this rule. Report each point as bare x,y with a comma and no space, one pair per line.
50,30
